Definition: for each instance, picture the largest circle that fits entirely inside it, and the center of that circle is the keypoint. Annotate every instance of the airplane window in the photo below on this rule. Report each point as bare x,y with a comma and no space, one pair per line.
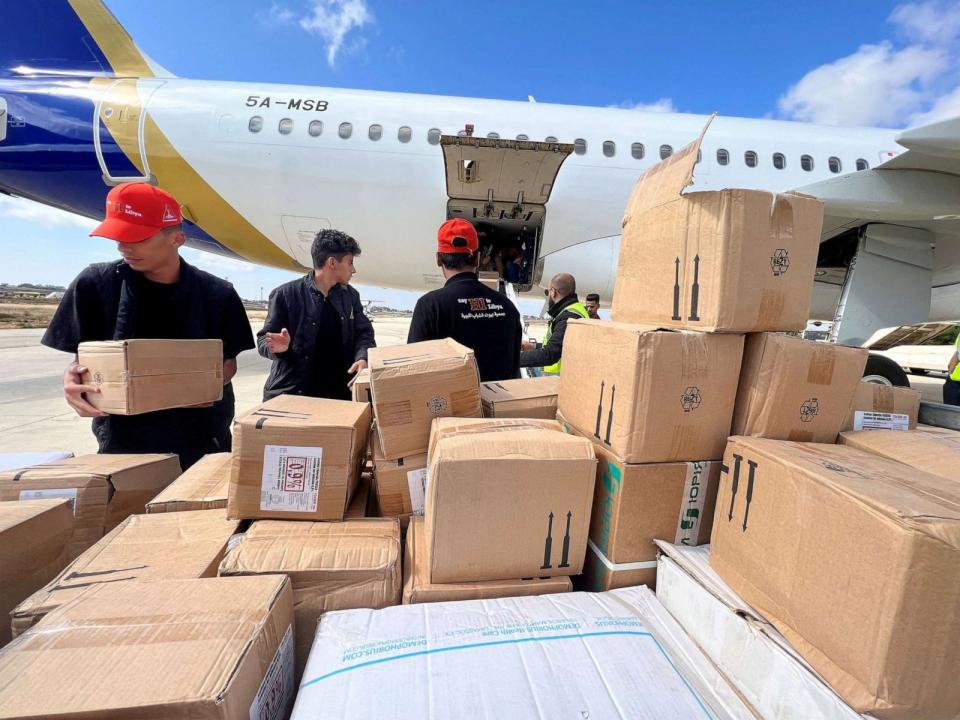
834,164
665,152
493,136
256,124
723,157
286,126
580,146
862,164
806,162
550,138
609,148
699,154
637,151
779,161
521,136
315,128
375,132
433,136
404,134
346,130
750,158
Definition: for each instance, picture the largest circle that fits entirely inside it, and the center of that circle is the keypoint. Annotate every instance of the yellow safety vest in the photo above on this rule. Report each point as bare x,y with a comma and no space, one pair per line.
580,310
955,375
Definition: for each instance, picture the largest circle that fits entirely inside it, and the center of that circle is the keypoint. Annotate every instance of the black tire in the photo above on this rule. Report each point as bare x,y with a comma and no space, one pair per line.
879,366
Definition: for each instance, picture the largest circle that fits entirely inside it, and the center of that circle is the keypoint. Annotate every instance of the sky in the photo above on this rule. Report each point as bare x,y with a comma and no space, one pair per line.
855,63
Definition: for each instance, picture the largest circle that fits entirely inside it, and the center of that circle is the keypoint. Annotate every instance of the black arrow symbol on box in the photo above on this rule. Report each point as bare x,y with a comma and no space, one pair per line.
548,545
565,556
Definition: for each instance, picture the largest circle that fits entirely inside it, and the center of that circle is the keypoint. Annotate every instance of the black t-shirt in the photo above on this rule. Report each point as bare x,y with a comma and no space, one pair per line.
328,373
160,311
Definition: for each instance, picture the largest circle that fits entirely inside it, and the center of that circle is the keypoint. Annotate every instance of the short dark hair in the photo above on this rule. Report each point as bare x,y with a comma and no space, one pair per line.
458,261
332,244
593,297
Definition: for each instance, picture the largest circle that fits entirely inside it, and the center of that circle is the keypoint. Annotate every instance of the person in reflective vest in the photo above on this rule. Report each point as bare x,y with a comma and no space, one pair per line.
951,388
563,304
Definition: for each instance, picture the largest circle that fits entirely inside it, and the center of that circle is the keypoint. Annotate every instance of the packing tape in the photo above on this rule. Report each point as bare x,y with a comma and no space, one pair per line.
614,567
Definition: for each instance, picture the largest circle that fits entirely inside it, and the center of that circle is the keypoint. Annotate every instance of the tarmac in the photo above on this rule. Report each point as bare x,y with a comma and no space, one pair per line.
34,416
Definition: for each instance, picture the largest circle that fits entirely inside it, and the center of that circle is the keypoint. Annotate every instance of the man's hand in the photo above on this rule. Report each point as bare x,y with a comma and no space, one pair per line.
953,362
357,367
527,345
73,390
278,342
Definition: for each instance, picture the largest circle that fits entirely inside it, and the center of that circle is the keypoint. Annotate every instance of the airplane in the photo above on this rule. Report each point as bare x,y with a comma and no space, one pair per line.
261,168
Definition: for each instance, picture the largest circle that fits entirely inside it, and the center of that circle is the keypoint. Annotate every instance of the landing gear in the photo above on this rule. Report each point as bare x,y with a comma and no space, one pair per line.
884,371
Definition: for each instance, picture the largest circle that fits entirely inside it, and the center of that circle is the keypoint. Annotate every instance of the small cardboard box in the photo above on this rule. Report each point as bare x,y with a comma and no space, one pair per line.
360,386
883,407
933,451
524,398
413,384
297,458
417,587
33,549
720,261
507,499
650,395
854,559
400,484
103,489
332,566
144,547
141,376
793,389
202,487
214,648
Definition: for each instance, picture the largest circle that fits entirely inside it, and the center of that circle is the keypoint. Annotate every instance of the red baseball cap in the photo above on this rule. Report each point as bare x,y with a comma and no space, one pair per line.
457,237
137,211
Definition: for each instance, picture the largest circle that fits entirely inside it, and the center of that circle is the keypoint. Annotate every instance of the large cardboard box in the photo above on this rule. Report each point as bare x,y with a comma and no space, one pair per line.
140,376
417,587
883,407
730,260
103,489
413,384
215,648
583,655
650,395
333,566
33,549
144,547
400,484
523,398
297,458
936,452
360,386
854,559
202,487
793,389
507,498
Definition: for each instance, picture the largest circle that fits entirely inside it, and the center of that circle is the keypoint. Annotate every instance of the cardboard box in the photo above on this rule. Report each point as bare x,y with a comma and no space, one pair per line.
400,484
141,376
297,458
793,389
507,498
33,549
360,386
525,398
360,502
854,559
103,489
721,261
413,384
333,566
650,395
937,452
596,655
216,648
883,407
202,487
490,278
144,547
417,587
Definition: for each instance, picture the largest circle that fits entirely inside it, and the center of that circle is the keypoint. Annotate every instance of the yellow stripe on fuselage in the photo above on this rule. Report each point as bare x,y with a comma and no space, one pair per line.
115,43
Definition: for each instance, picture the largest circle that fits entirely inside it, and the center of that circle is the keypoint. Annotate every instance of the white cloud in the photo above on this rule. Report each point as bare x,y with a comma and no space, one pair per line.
332,20
22,209
664,104
934,23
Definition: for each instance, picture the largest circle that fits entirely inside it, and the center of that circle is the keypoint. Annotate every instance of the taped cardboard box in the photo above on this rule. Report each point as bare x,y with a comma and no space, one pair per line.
333,566
650,395
33,550
507,498
854,559
793,389
297,458
140,376
413,384
721,261
213,648
596,655
417,587
400,484
524,398
144,547
883,407
102,489
935,452
202,487
360,386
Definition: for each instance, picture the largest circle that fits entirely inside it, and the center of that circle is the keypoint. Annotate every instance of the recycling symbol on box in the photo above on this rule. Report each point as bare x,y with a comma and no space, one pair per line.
437,405
691,399
98,378
809,410
780,261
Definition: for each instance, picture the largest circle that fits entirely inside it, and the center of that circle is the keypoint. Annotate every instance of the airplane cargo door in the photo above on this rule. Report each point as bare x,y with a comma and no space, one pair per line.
502,187
118,130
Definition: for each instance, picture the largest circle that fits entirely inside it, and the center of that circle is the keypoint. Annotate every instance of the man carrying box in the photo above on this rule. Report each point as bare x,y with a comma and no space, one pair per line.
151,292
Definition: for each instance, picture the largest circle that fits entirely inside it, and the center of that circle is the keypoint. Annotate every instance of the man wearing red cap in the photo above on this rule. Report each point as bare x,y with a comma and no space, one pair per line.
468,311
150,293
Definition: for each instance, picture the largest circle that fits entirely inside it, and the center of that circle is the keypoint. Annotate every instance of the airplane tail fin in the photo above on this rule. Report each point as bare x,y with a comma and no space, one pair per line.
75,38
